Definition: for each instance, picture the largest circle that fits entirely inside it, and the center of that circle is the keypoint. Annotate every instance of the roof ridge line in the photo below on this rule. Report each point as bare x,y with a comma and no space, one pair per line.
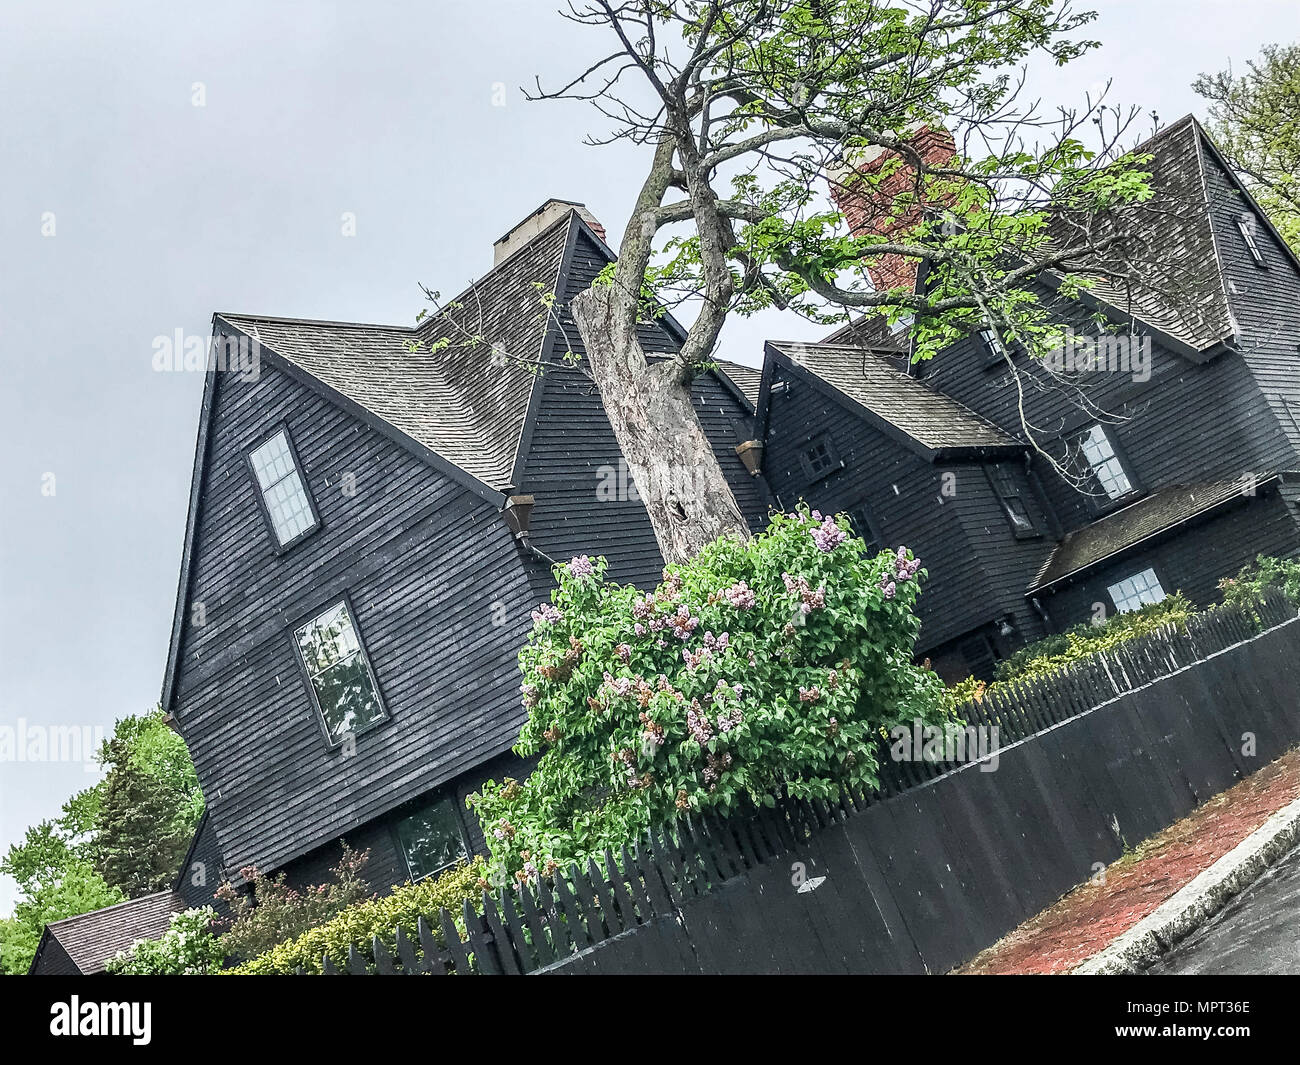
114,906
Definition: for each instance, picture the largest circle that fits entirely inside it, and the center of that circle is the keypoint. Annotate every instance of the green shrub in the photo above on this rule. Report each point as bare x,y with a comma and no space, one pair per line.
379,916
1062,649
189,947
272,912
971,689
1247,588
756,667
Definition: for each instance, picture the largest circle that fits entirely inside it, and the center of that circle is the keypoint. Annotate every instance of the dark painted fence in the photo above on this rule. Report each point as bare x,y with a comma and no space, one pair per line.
938,864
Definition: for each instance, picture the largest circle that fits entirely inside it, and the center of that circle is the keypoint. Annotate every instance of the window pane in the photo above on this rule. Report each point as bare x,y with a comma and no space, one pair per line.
348,700
1137,591
1106,466
283,491
862,527
431,839
1019,515
289,508
328,639
339,672
272,461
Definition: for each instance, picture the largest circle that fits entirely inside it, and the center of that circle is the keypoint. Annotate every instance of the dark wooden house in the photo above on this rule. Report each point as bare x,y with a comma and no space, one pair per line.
371,524
374,512
1182,468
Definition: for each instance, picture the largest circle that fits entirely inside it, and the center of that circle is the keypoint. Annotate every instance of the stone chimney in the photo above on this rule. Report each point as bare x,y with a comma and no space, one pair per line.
872,211
531,227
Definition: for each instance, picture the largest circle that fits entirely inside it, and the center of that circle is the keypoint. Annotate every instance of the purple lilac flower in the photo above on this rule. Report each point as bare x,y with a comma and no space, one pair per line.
580,566
741,596
828,536
623,651
546,613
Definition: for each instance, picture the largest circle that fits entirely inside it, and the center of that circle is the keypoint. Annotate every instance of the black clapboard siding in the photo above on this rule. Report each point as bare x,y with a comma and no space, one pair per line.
1266,306
903,491
386,866
1188,423
203,869
1008,562
572,450
1191,561
424,562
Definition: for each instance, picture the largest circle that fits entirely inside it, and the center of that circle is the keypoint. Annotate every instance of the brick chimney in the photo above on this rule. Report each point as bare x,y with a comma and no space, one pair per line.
531,227
872,211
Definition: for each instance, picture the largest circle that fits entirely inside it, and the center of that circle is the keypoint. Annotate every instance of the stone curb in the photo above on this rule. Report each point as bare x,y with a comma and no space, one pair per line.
1198,900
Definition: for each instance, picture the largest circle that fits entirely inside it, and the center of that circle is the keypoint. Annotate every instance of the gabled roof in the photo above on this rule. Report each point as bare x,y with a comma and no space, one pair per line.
1175,279
746,378
1137,523
92,939
455,389
905,407
465,400
1173,275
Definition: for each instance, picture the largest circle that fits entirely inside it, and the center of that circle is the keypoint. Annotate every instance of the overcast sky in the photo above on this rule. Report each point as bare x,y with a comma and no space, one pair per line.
129,212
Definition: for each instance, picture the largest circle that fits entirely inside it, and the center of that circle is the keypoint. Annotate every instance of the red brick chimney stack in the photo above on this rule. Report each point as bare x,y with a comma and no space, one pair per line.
872,212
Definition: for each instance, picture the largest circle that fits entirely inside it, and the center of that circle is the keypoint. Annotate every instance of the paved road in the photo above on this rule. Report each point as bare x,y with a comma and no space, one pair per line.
1258,932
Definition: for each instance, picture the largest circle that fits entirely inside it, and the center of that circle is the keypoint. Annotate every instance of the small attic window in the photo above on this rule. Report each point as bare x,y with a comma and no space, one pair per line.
287,507
1246,223
990,351
819,458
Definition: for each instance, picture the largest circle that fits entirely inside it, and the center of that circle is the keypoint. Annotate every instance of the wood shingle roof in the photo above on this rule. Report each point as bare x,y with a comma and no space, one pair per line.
92,939
934,421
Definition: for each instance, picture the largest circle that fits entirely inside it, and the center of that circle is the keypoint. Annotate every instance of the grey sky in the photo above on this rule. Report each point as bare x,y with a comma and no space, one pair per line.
164,212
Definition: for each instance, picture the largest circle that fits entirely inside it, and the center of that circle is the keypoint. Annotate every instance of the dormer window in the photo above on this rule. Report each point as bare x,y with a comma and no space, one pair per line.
1107,469
991,351
1007,486
287,507
1246,223
338,671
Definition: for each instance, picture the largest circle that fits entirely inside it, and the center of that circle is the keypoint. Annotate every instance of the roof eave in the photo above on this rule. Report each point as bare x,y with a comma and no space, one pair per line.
1037,588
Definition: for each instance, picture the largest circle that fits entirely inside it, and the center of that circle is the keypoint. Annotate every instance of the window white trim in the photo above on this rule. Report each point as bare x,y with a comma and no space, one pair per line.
1099,453
338,673
1136,591
1246,224
286,503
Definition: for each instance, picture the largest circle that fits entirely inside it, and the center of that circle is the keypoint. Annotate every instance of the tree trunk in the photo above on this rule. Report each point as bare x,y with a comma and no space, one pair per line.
671,461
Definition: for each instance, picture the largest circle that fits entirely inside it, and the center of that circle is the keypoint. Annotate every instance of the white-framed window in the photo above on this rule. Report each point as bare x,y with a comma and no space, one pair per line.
284,496
1106,467
1136,591
342,682
1246,223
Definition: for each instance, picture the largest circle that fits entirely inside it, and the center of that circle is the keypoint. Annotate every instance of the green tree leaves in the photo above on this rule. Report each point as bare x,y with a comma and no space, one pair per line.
124,837
1255,119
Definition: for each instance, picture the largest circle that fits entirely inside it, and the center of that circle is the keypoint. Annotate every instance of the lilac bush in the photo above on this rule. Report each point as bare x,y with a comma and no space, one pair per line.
756,667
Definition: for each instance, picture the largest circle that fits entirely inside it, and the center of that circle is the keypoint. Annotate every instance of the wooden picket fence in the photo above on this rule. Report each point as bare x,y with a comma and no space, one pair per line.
535,925
530,927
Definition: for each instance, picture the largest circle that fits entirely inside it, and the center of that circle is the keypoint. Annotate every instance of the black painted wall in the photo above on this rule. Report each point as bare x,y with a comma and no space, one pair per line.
1191,560
430,568
948,514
